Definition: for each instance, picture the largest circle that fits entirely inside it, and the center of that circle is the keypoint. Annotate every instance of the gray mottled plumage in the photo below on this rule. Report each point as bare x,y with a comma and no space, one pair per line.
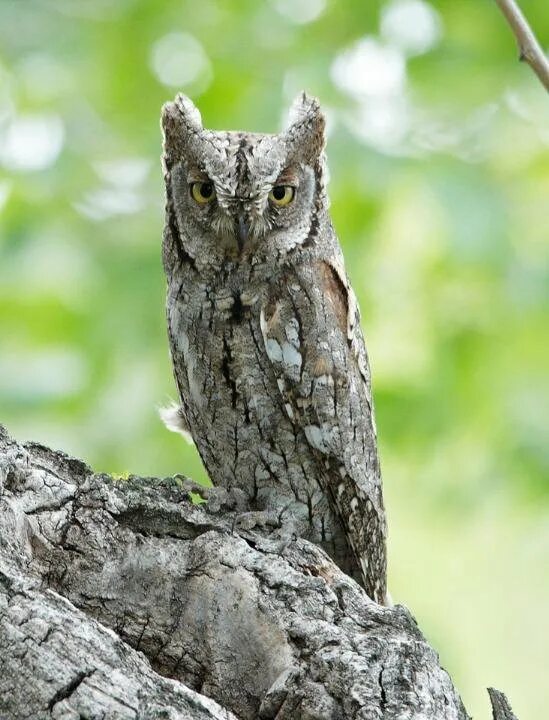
265,336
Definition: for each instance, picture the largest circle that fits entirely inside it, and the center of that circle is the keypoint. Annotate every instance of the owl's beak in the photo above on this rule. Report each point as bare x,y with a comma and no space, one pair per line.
243,231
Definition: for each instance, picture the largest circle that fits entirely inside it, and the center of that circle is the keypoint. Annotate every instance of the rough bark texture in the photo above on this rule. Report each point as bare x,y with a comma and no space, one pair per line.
500,706
123,599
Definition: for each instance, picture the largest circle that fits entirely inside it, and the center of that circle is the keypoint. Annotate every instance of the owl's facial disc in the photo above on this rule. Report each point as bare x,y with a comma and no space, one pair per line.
245,208
236,193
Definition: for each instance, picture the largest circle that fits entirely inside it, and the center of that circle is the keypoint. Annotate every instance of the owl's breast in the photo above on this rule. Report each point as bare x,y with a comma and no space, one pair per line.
220,365
238,416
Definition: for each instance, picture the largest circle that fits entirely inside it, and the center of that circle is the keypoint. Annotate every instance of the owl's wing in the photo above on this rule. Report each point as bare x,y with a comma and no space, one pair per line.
312,336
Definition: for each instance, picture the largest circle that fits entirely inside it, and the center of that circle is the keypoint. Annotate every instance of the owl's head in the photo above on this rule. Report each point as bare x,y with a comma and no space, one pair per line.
243,195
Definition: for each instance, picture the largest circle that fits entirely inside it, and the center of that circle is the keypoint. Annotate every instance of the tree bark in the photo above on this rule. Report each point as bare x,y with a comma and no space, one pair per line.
124,599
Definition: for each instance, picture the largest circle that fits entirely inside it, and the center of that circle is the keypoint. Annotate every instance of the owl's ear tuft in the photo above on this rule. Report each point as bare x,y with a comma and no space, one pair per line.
181,122
305,131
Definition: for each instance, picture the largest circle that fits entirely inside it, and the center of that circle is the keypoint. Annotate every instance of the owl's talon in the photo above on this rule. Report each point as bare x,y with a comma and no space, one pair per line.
252,519
275,532
216,498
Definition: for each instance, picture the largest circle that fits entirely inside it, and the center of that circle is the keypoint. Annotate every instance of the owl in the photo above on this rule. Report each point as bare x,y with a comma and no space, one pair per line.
264,332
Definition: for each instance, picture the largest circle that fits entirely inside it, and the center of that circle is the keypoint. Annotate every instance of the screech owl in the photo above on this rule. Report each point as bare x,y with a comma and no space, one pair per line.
264,331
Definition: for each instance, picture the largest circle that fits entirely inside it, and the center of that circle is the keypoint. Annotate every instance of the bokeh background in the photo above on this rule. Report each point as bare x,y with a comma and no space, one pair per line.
439,158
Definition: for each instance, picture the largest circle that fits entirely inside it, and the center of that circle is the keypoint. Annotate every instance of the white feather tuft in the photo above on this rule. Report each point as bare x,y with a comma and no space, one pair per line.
174,419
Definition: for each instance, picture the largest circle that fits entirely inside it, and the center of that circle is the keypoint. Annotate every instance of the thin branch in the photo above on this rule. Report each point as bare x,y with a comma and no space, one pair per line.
529,48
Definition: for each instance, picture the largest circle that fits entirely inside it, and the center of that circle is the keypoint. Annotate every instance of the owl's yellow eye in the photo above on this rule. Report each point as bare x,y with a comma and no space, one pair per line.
282,195
202,192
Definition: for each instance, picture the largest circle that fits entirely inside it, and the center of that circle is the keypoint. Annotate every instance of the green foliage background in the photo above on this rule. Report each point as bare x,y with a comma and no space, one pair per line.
440,196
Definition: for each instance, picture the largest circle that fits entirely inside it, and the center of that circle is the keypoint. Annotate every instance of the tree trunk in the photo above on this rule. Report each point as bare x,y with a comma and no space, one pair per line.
124,599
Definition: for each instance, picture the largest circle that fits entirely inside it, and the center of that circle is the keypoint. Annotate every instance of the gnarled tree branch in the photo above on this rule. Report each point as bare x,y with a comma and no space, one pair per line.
123,599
